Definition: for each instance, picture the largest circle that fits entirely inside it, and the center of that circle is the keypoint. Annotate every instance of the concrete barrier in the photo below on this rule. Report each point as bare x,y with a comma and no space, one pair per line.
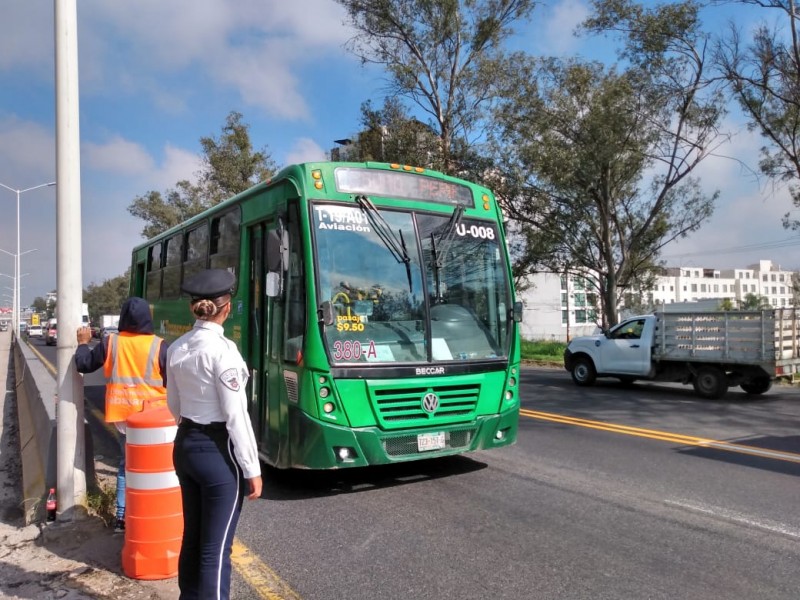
36,390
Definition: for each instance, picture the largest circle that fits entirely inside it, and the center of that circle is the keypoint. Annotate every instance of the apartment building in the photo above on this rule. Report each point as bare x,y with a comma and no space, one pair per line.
559,307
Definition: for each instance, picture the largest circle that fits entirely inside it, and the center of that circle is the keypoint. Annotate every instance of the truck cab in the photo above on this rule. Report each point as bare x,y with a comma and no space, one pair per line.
625,350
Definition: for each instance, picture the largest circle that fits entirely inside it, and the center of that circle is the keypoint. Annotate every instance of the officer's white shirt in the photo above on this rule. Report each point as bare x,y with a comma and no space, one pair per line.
206,378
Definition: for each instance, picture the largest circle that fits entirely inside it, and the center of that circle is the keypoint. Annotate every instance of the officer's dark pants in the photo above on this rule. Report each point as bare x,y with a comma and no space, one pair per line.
212,489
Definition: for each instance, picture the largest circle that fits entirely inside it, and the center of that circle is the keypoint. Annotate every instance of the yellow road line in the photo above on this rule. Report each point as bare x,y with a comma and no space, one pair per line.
264,581
665,436
47,364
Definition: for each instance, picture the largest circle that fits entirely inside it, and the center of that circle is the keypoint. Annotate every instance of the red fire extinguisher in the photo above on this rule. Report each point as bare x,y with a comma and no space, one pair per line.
51,505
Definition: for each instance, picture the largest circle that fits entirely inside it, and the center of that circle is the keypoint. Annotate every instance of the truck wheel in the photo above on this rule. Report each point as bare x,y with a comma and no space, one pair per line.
583,372
710,382
756,386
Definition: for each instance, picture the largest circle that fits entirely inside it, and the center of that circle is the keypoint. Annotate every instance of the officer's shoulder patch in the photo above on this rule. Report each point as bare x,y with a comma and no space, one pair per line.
230,379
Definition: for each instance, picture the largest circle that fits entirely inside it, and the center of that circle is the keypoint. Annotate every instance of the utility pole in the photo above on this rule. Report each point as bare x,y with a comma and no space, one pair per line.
71,453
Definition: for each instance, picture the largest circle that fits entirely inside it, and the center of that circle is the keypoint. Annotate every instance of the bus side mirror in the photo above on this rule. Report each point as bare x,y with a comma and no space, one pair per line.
326,313
274,251
516,312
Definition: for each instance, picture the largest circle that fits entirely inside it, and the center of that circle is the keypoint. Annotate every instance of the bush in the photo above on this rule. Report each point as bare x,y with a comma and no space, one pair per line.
542,350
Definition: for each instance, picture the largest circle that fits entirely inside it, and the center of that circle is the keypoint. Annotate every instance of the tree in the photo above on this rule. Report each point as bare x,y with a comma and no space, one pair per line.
442,55
107,298
764,77
597,163
390,134
39,304
230,166
754,302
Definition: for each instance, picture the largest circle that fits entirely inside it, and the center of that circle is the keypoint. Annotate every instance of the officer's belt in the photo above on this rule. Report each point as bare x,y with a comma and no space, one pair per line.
213,426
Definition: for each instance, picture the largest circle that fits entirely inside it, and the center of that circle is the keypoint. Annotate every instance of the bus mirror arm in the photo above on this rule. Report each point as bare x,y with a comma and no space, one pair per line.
325,313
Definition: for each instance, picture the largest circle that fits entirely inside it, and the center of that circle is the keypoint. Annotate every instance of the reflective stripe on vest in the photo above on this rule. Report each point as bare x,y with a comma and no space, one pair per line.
128,390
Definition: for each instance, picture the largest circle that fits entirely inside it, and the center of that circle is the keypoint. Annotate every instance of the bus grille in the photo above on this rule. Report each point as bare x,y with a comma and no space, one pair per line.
406,445
403,407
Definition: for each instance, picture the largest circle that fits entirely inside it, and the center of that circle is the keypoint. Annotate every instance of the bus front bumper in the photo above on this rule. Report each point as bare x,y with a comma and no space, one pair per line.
328,446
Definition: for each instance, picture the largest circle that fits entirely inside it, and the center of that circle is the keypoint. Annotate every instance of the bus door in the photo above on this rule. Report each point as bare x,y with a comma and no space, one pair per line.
265,325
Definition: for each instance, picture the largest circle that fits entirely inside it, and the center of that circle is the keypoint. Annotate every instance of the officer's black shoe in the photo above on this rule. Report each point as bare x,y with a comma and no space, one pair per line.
119,526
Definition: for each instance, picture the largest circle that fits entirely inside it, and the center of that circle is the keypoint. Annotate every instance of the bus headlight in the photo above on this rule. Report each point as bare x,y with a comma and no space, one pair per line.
328,407
324,392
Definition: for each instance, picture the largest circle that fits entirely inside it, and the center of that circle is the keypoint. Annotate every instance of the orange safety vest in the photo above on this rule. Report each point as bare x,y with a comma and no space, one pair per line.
133,376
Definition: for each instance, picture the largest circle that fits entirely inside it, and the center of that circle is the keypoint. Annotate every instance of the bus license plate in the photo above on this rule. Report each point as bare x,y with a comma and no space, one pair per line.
430,441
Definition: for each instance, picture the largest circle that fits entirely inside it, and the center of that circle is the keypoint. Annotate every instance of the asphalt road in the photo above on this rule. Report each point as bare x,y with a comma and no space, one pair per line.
610,492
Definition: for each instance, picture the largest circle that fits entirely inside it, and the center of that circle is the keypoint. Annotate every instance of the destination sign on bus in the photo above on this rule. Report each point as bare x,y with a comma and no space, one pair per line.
394,184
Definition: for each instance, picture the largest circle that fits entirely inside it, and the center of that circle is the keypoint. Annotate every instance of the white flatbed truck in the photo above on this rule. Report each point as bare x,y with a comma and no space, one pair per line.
710,350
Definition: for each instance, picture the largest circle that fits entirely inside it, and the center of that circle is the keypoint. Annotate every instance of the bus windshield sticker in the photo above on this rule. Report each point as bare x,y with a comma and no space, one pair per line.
341,218
349,323
355,350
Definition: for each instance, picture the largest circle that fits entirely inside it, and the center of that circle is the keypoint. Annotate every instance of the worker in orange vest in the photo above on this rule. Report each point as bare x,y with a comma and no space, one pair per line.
134,363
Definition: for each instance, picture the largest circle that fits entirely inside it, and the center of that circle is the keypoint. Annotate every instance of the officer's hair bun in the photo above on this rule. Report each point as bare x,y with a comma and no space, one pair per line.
203,309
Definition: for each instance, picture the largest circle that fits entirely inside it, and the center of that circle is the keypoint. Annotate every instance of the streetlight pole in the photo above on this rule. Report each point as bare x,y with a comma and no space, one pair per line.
17,296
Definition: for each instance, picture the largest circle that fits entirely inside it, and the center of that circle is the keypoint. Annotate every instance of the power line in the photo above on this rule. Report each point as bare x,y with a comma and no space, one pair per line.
737,249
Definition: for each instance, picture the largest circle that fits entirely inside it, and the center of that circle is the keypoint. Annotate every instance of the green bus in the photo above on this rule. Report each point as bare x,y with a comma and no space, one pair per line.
374,307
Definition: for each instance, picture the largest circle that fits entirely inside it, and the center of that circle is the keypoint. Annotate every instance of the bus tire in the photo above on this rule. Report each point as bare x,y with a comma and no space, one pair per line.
757,385
583,371
710,382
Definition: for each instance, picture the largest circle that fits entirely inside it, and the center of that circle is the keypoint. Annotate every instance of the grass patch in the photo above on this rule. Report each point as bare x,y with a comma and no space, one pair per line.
543,350
102,501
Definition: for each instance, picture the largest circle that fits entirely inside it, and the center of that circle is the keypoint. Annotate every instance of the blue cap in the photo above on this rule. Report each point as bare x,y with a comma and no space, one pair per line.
210,283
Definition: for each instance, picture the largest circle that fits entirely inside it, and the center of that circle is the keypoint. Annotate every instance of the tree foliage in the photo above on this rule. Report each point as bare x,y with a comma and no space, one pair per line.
764,76
230,166
598,162
106,298
442,55
390,134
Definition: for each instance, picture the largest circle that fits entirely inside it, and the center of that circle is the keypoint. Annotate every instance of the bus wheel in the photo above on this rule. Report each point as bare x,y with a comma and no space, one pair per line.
710,382
583,372
757,385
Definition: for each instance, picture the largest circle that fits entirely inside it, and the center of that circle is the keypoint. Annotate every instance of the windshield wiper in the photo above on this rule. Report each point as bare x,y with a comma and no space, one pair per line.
396,245
447,237
446,241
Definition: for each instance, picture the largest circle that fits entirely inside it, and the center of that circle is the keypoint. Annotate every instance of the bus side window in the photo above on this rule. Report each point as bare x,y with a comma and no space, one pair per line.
295,289
196,251
154,265
171,281
224,241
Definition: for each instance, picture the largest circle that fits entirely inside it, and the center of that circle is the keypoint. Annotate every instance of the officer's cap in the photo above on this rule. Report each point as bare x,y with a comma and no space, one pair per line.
210,283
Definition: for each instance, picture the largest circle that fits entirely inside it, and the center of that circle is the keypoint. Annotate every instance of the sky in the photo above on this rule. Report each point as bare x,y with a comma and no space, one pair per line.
155,77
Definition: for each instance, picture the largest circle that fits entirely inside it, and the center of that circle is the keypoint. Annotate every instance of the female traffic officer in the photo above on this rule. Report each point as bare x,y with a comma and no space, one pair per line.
215,453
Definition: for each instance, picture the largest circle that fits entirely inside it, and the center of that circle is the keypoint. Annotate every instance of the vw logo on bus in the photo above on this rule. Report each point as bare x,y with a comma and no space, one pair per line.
430,402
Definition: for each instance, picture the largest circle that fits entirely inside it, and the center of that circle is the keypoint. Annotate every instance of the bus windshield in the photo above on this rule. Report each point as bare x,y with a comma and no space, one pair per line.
410,287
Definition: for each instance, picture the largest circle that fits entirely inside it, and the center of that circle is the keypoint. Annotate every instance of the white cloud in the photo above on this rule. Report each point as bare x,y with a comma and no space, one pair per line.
27,40
27,154
304,150
559,26
118,156
252,48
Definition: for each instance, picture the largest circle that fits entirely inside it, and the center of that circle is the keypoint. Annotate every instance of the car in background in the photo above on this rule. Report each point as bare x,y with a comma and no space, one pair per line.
35,331
51,333
109,329
3,325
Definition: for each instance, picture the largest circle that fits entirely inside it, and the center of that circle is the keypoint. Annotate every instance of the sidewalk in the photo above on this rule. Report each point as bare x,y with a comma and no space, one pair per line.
69,561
